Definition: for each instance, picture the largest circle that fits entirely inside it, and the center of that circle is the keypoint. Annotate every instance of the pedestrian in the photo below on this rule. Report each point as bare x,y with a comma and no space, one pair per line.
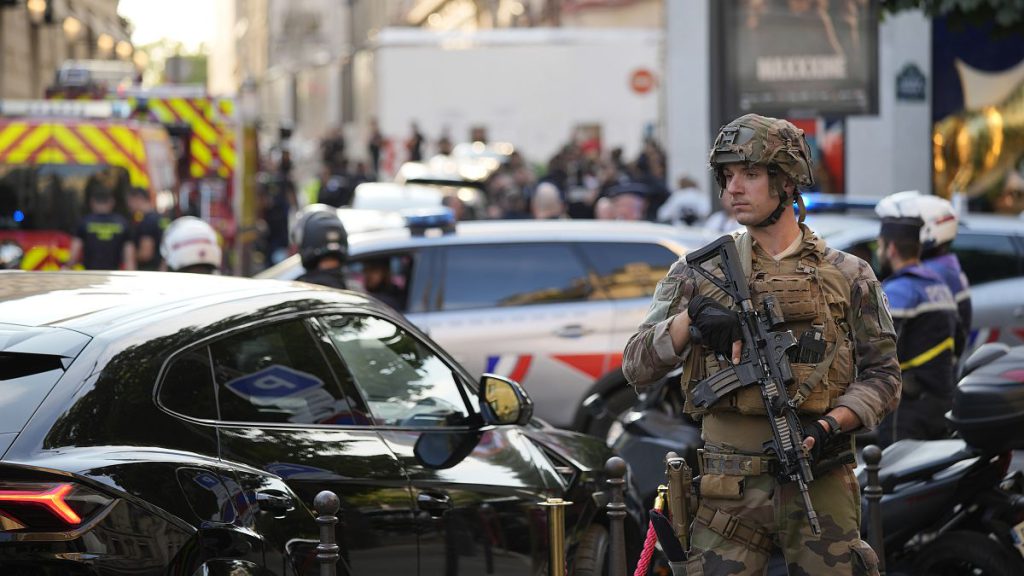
332,150
102,239
546,203
722,221
686,205
629,200
322,243
415,144
924,314
846,375
939,226
279,199
148,229
191,245
374,145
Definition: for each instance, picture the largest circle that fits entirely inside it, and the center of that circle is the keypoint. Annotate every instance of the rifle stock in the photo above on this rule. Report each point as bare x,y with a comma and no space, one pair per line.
763,362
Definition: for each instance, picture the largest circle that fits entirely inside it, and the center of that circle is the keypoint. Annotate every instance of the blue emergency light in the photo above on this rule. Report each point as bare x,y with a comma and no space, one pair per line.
418,221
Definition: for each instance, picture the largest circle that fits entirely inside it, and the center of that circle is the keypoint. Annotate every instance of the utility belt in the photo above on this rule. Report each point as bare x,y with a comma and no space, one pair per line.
717,461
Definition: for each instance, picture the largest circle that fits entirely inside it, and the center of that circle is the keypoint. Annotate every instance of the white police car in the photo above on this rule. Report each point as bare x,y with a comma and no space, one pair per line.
547,303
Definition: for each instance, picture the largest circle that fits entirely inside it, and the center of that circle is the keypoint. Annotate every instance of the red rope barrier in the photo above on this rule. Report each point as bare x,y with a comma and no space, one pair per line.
645,557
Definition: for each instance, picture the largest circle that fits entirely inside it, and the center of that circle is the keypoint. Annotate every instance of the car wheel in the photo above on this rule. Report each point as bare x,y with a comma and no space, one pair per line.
592,554
608,424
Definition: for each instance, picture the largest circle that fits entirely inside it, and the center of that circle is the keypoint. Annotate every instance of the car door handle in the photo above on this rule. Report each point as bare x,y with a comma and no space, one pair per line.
274,502
572,331
435,504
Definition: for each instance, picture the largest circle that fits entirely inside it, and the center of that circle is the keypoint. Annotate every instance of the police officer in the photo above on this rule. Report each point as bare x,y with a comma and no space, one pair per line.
322,244
924,314
846,373
939,225
191,245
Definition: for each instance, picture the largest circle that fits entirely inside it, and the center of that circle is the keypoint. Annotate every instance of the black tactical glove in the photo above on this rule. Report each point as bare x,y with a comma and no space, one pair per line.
719,327
816,431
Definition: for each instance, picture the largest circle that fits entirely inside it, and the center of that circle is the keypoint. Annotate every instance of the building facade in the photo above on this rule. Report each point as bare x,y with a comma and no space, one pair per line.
37,36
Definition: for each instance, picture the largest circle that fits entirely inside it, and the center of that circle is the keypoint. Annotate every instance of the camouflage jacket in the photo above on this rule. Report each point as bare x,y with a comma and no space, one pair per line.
875,390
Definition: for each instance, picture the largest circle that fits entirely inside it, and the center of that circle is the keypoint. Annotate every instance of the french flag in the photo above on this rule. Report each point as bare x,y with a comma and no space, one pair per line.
512,366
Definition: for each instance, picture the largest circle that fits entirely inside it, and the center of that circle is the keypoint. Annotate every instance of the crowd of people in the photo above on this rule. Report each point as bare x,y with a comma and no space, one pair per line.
590,182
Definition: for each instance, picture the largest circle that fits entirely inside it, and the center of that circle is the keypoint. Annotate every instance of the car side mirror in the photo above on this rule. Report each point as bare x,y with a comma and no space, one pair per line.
504,401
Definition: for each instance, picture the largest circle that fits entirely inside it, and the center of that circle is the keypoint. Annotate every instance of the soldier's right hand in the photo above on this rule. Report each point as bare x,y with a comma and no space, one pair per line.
719,327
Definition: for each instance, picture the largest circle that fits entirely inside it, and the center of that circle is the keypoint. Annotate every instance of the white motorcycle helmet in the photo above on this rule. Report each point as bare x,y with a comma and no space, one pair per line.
939,217
190,242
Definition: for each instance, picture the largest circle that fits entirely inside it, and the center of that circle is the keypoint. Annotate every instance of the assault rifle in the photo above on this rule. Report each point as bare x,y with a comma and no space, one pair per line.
764,362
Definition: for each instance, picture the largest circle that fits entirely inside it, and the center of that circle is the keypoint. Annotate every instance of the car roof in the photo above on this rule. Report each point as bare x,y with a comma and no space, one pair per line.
94,301
499,231
841,227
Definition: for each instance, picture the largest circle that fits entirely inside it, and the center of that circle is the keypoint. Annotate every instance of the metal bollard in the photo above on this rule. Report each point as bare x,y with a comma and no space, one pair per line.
872,456
615,468
556,535
326,505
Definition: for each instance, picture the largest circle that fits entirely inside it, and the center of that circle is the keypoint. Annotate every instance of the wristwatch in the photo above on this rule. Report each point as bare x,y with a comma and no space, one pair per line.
833,426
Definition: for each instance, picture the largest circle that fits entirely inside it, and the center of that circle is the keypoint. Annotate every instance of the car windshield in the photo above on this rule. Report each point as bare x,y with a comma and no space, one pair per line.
54,196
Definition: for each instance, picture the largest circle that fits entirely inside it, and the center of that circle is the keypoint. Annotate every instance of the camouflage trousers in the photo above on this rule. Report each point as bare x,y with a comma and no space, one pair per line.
742,518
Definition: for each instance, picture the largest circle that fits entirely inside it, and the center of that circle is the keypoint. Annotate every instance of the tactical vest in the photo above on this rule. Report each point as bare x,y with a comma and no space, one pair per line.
807,303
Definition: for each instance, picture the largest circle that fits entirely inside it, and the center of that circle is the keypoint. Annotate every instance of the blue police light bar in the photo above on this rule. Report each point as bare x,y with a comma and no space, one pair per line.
418,221
19,216
816,203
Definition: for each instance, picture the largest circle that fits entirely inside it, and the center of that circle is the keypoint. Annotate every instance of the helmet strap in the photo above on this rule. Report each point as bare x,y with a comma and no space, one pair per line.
784,200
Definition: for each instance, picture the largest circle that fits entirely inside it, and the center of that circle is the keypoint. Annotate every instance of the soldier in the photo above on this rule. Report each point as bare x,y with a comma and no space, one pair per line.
925,316
847,377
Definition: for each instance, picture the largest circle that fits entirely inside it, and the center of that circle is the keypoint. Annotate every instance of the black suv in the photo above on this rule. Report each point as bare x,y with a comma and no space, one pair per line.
158,423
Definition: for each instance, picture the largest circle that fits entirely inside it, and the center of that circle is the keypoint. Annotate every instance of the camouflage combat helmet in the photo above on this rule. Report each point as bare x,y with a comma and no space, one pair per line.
771,142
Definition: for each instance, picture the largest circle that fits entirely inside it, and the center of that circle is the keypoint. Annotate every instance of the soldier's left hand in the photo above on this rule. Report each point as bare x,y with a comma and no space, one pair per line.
815,439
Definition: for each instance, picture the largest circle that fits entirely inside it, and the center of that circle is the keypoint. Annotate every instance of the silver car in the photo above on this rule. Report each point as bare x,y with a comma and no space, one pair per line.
547,303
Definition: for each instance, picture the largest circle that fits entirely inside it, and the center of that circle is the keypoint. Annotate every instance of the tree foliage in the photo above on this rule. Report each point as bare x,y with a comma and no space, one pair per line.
1007,15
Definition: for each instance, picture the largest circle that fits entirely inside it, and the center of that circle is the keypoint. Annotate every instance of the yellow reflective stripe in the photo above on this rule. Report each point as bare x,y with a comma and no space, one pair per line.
34,257
9,134
197,169
101,142
35,140
73,145
195,120
201,152
227,154
112,155
129,141
161,111
928,355
51,155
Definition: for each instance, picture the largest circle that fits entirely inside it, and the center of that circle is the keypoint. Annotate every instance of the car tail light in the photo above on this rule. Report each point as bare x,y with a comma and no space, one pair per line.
48,506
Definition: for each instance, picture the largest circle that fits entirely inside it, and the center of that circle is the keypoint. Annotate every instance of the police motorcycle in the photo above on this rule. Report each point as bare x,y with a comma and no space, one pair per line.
950,506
